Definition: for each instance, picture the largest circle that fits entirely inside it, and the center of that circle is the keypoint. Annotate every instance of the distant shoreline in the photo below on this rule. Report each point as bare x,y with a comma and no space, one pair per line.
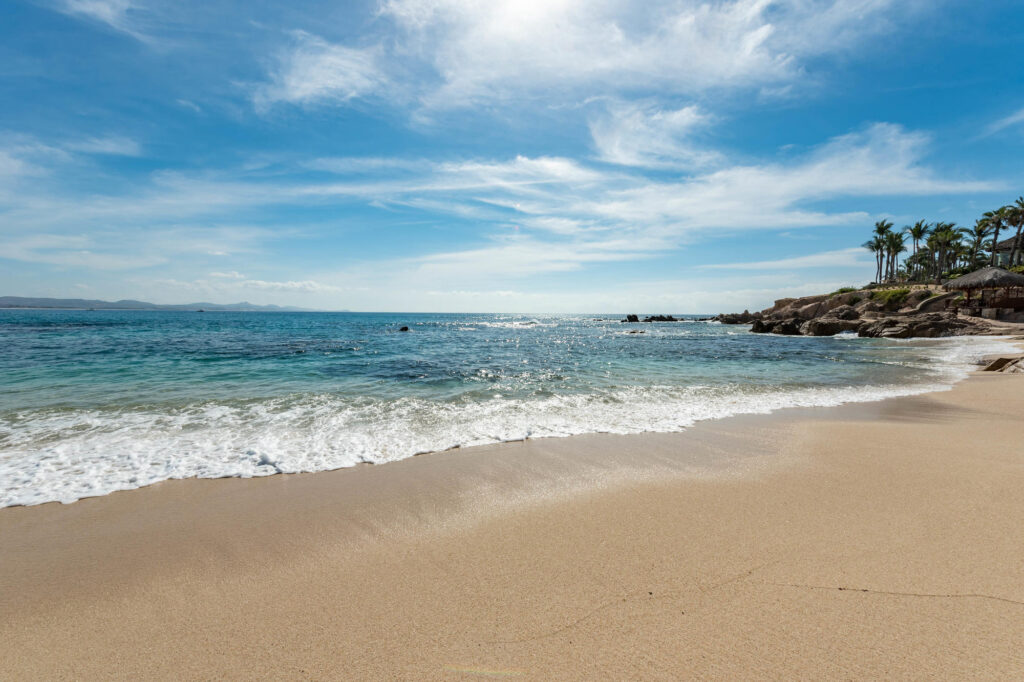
44,303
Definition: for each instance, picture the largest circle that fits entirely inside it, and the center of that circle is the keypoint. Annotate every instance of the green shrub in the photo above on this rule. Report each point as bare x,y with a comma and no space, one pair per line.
890,298
843,290
854,300
1019,269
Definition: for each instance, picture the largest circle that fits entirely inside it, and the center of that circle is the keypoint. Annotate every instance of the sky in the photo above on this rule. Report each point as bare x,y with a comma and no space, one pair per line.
683,156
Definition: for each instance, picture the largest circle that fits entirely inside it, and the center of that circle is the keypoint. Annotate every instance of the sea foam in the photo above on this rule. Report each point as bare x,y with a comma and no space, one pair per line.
68,453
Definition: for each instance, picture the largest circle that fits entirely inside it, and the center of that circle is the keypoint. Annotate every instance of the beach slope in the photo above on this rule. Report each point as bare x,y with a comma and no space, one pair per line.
874,540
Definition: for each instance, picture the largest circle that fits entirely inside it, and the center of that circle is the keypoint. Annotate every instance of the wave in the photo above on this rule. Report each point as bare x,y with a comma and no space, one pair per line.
65,454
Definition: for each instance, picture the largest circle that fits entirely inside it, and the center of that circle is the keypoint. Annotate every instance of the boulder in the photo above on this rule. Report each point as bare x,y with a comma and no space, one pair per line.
927,325
828,326
404,329
746,317
867,306
632,318
811,310
660,318
844,312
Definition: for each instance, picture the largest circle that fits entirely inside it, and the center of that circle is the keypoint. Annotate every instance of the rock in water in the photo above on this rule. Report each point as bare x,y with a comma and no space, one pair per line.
404,329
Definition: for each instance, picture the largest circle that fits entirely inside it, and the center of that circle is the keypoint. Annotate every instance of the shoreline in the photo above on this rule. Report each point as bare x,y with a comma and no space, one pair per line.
470,545
850,397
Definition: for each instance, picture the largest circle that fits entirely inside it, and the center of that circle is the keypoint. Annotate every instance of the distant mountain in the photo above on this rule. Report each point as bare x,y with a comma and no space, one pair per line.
86,304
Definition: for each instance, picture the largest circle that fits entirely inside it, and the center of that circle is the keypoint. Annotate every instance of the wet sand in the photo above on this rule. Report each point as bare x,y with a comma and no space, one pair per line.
872,540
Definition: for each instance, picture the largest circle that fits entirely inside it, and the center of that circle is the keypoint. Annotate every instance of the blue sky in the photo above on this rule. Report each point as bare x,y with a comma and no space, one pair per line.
521,156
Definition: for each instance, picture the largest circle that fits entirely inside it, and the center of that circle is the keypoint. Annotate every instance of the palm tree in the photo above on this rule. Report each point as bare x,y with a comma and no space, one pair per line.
895,244
882,228
996,219
917,232
1016,218
978,233
919,263
946,238
876,246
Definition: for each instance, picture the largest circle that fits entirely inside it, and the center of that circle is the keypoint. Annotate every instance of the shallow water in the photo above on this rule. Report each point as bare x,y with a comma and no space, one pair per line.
97,401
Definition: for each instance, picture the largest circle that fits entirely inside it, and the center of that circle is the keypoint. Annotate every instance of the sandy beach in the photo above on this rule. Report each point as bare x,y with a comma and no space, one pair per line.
870,540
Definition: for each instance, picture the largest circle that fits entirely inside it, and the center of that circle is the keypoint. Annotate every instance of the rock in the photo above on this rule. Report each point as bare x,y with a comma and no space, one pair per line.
636,331
999,364
746,317
926,325
853,311
867,306
760,327
660,318
632,318
404,329
844,312
811,310
789,327
828,326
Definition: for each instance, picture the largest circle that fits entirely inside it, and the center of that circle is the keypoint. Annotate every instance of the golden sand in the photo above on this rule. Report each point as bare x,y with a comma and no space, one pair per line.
879,540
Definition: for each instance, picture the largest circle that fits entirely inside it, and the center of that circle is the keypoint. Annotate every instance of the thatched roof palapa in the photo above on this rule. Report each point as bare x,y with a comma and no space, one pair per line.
986,278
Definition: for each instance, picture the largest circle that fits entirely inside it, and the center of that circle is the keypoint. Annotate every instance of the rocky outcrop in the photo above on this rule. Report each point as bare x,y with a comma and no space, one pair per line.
789,327
845,312
746,317
651,318
926,325
897,315
828,326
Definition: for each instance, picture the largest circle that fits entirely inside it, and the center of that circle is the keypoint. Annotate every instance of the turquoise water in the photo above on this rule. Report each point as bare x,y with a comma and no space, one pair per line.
95,401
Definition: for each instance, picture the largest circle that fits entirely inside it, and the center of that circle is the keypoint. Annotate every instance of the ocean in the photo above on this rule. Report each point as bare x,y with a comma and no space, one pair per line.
97,401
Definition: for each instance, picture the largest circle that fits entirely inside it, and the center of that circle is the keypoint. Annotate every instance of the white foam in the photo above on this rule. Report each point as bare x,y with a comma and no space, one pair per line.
67,454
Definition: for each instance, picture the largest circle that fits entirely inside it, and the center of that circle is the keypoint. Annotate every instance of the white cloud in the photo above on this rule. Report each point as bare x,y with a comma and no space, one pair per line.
456,53
111,145
1013,119
643,134
842,258
314,70
11,166
535,215
116,14
494,49
75,251
305,286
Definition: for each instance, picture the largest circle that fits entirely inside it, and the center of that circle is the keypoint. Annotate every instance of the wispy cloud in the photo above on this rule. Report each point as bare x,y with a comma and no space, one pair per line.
117,14
843,258
455,53
313,70
644,134
544,214
1014,119
232,286
111,145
